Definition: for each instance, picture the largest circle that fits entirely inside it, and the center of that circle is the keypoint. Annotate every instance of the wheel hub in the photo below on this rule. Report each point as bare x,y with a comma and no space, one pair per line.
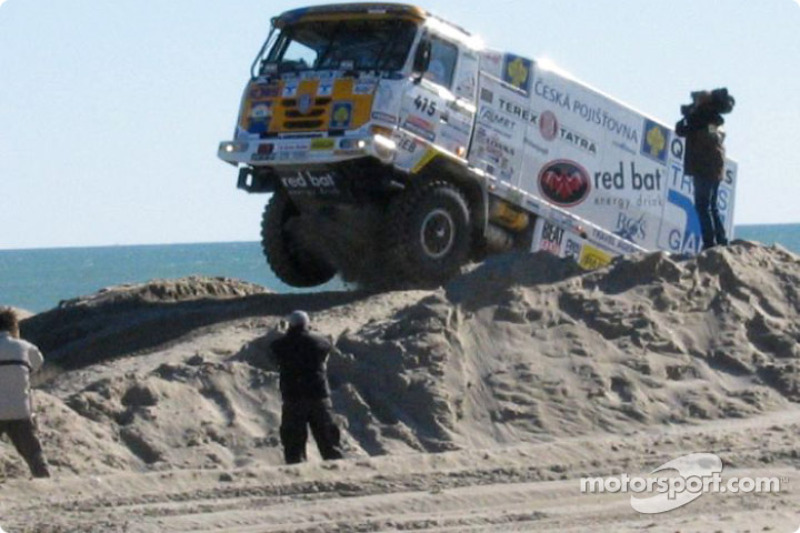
437,234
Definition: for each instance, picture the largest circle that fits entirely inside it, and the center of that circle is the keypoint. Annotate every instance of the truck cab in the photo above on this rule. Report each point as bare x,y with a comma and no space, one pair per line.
346,103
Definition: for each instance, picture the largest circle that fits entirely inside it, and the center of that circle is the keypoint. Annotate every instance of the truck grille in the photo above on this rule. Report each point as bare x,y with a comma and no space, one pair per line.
312,119
302,124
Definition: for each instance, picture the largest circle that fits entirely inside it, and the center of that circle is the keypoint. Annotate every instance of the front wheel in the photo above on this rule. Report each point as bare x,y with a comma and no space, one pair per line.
293,263
428,232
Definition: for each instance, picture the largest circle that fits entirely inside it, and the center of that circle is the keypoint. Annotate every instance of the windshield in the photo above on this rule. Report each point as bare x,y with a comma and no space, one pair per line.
350,44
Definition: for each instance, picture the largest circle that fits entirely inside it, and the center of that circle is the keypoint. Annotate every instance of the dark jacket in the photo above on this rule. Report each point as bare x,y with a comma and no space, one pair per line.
704,156
301,356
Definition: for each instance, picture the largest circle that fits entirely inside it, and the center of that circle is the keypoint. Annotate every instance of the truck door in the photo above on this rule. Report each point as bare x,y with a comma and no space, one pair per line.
430,109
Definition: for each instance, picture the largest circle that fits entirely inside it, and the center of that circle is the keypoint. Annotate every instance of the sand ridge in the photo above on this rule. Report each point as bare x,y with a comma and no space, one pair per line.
576,373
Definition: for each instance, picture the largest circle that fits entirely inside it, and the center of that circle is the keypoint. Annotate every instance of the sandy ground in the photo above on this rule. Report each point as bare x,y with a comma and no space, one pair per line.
479,406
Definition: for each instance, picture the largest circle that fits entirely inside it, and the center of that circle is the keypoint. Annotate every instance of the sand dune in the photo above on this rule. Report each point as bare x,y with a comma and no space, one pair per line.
477,406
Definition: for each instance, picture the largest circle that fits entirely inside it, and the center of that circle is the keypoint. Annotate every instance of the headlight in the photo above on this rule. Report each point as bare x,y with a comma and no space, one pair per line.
384,148
233,147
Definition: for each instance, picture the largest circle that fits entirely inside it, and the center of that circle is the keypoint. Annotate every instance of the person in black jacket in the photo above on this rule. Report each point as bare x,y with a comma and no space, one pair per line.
301,357
704,157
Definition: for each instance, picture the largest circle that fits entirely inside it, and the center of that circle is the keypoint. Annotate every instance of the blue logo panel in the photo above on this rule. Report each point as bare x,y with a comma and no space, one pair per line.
341,115
518,71
655,141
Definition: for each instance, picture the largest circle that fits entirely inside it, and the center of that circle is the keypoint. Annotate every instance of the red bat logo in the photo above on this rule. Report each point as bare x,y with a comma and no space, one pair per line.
564,182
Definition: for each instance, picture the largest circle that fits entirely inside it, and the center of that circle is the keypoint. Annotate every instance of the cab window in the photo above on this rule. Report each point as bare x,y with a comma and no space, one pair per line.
442,64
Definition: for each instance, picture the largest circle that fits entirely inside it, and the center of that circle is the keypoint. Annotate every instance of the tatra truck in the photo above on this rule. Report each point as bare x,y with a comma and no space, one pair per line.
396,146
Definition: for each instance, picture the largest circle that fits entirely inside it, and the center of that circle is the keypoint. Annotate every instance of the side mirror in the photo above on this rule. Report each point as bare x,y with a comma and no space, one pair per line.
422,58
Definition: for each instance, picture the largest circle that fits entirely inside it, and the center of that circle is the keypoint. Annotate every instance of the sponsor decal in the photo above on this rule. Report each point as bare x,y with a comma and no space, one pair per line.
265,152
454,133
618,202
624,147
364,88
325,88
307,181
298,146
260,115
633,179
572,249
490,147
498,122
385,96
304,103
548,125
578,141
425,105
624,203
494,146
730,175
590,113
385,117
289,90
492,58
564,182
420,126
630,228
541,149
592,257
689,239
532,204
655,141
466,86
517,72
612,241
263,92
522,113
552,236
407,144
676,148
487,95
322,144
341,114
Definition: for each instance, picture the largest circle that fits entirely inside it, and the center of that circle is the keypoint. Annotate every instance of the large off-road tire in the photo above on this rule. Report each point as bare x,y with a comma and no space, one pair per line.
289,260
427,233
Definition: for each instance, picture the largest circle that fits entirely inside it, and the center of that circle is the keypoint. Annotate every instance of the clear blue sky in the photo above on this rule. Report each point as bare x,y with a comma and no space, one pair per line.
111,112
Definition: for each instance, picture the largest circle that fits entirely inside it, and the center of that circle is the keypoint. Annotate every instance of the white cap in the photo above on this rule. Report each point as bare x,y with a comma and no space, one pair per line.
298,319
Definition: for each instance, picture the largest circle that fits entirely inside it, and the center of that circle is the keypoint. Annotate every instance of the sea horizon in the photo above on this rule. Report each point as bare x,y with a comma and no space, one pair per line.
38,279
737,227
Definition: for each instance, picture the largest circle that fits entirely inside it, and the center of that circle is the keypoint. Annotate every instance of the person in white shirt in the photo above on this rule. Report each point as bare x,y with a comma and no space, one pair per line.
18,359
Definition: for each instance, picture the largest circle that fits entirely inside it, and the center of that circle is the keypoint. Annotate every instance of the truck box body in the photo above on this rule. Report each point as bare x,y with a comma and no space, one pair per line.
557,140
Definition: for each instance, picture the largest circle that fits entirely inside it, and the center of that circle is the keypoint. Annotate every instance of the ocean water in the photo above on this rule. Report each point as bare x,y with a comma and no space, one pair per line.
37,280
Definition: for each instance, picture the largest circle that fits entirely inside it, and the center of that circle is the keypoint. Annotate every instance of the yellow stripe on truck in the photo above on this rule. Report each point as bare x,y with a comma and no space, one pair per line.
429,156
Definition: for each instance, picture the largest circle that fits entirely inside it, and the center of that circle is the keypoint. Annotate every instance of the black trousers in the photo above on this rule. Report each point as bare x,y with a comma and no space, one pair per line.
705,202
23,436
297,416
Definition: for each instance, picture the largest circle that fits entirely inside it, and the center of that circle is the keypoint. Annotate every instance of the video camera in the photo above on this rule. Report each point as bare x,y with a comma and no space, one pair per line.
714,103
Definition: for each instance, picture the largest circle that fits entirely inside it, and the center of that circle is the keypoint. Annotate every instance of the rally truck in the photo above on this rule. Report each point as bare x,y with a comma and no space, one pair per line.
396,146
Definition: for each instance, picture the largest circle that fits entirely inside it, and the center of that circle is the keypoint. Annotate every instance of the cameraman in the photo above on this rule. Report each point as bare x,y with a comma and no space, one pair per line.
704,157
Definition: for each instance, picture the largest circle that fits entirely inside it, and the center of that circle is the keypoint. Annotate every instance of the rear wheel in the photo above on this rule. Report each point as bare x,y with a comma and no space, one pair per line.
287,257
428,232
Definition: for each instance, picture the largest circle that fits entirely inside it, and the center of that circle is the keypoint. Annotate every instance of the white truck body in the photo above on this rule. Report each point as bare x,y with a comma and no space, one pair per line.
589,176
557,140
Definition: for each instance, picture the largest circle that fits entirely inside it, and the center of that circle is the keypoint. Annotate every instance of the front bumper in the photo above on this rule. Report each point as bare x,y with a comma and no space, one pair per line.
294,151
